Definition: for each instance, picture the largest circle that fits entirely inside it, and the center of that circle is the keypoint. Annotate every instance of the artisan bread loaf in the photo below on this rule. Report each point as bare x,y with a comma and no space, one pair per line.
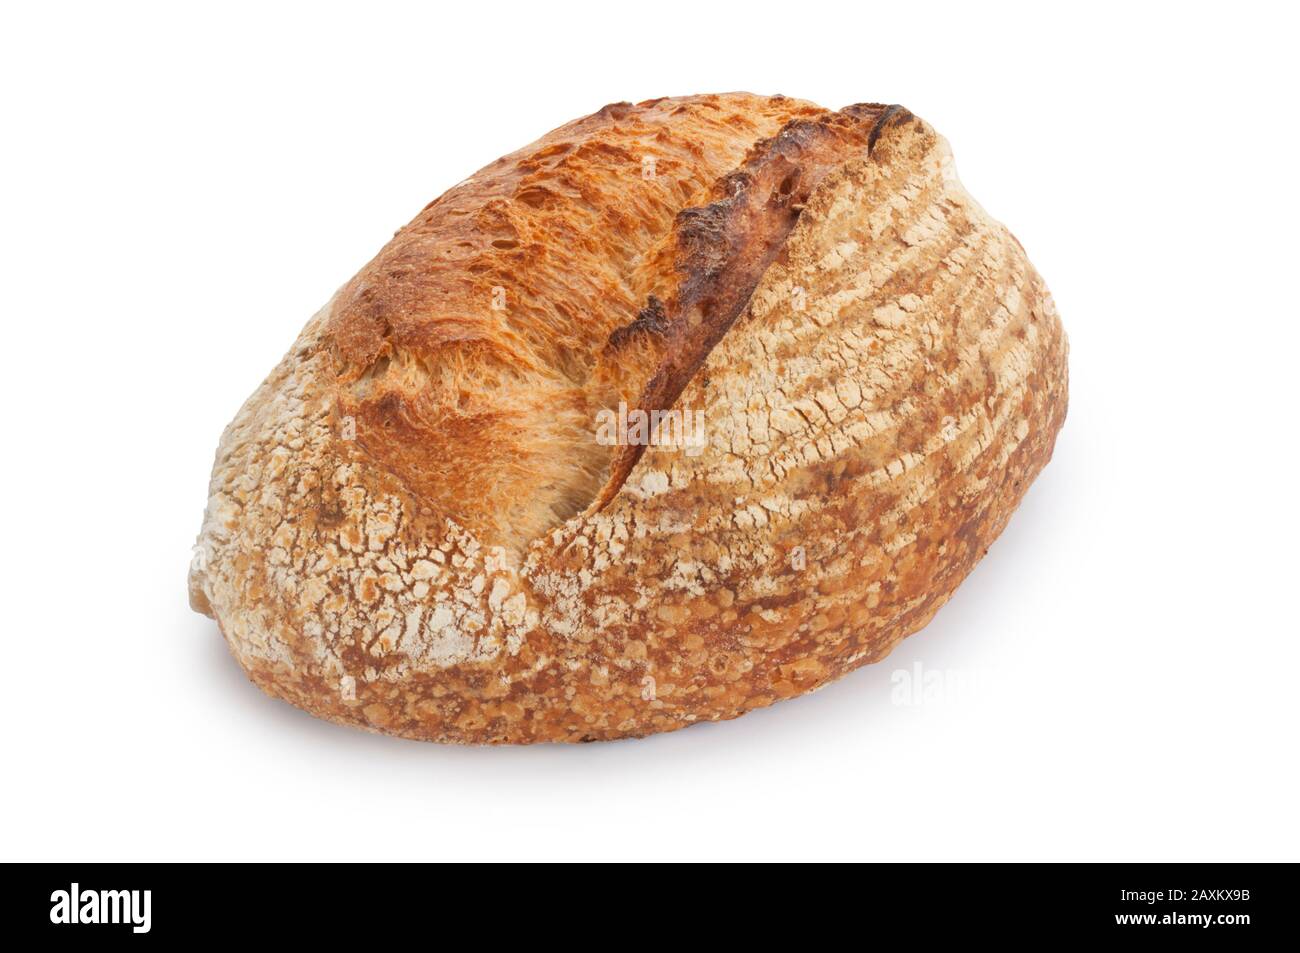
688,407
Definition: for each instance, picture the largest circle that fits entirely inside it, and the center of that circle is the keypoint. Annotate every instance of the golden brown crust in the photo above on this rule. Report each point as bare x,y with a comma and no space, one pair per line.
480,325
407,529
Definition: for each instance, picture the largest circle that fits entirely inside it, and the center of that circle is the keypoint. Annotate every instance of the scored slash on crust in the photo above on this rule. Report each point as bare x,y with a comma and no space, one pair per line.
727,245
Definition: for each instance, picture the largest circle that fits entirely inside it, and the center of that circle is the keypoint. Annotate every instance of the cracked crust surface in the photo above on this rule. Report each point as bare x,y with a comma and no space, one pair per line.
412,528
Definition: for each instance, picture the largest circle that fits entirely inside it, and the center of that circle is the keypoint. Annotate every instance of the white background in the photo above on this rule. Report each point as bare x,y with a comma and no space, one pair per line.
182,190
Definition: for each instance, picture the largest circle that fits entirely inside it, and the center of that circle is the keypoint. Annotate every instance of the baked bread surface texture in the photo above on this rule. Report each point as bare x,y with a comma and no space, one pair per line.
413,527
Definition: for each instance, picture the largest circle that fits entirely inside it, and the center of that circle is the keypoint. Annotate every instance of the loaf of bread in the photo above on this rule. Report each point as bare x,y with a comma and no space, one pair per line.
688,407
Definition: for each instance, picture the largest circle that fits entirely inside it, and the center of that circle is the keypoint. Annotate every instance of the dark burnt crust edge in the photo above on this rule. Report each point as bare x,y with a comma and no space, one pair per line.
651,320
724,247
